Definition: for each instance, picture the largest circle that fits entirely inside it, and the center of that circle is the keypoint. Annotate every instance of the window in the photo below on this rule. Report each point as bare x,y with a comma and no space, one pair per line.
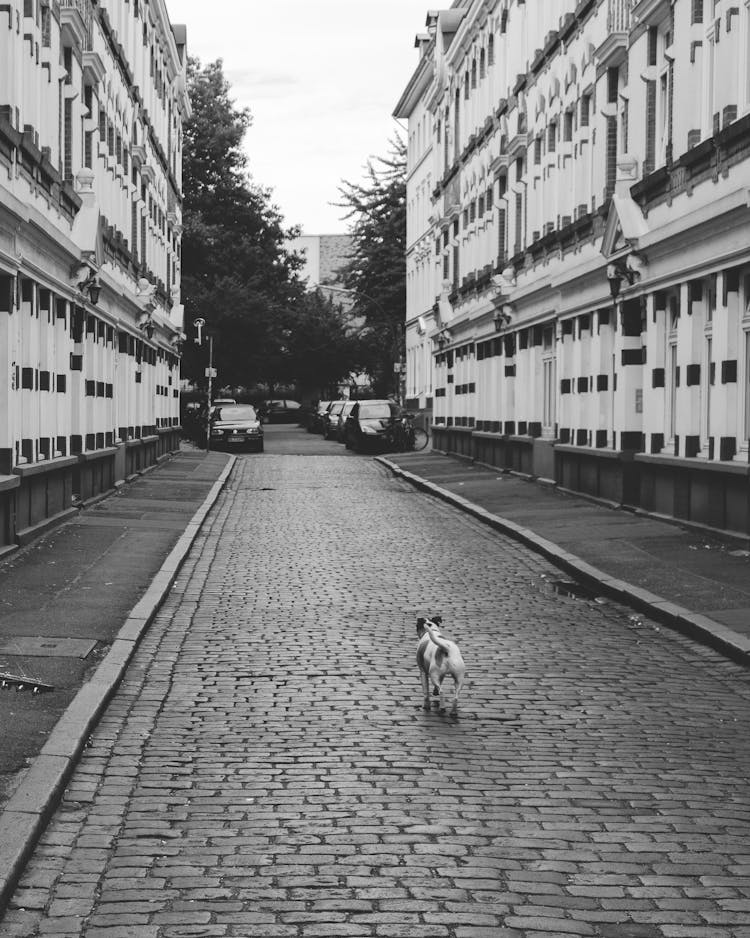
708,373
46,27
457,125
673,379
68,141
568,126
585,109
491,51
662,130
68,64
482,64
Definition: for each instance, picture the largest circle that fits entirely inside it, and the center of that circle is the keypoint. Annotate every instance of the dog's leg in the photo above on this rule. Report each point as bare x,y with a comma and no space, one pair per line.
436,679
458,683
425,688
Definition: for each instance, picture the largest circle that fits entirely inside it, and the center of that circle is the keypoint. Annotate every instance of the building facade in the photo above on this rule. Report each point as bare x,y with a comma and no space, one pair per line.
580,274
324,256
92,100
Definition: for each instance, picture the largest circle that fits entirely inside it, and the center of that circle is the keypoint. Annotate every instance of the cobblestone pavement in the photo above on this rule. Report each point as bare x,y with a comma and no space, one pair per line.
266,768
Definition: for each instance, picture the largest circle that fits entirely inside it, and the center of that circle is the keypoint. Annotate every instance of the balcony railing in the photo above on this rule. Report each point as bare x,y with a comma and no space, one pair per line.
618,16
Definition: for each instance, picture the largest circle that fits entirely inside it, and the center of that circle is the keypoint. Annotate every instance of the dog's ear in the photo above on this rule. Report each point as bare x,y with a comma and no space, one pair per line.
438,620
420,625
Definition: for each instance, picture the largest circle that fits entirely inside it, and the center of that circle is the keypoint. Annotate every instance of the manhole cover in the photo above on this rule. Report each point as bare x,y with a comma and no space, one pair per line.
43,647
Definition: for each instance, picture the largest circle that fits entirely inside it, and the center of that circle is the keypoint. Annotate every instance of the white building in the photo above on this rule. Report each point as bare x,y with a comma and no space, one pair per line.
585,302
92,99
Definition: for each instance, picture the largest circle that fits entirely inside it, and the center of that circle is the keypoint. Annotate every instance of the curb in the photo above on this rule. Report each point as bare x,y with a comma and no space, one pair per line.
693,624
29,808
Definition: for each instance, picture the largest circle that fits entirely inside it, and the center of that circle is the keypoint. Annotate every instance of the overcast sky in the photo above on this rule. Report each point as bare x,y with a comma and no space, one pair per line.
321,78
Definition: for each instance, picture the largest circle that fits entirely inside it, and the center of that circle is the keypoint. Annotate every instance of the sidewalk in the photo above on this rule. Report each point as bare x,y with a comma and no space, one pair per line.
73,605
693,582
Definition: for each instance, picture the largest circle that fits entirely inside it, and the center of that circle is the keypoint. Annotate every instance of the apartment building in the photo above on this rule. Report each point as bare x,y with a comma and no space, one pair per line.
92,100
585,314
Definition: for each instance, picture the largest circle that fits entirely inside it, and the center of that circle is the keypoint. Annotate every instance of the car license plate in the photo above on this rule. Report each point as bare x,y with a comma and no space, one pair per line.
236,438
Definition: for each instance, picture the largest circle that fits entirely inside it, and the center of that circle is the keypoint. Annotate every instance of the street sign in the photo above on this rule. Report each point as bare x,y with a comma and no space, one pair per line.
211,372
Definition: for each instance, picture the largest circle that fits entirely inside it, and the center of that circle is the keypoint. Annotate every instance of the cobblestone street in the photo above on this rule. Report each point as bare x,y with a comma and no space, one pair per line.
267,768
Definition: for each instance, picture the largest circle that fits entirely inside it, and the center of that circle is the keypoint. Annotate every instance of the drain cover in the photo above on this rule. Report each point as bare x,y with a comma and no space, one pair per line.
573,589
43,647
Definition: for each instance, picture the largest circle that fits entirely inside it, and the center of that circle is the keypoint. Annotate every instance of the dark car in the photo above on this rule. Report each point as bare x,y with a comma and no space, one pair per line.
368,423
317,418
282,411
331,419
339,430
236,426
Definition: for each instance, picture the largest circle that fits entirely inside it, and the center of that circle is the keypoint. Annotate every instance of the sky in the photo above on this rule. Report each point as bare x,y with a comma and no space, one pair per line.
321,79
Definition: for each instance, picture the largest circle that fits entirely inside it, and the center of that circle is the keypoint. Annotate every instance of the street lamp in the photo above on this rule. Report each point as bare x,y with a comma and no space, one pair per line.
200,325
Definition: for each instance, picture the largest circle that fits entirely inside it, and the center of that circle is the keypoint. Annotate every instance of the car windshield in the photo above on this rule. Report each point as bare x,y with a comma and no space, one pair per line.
235,412
375,411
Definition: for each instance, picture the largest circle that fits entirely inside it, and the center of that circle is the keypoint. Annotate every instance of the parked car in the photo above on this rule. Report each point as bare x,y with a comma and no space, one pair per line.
367,424
341,421
331,419
236,426
281,411
317,418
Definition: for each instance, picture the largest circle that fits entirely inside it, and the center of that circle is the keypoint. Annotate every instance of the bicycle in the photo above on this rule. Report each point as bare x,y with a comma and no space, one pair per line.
404,436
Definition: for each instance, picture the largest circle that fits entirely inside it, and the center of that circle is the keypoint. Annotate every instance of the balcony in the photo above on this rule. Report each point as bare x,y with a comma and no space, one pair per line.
76,20
613,51
452,197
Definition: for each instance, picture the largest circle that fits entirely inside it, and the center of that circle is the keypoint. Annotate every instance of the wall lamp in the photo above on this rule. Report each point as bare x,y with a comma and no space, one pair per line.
631,271
87,281
444,338
502,317
147,325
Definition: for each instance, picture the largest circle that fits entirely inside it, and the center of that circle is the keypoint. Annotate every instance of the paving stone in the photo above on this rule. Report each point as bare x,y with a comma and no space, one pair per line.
266,767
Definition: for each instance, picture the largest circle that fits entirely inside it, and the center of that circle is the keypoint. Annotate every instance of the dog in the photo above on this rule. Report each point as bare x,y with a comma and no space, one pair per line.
437,658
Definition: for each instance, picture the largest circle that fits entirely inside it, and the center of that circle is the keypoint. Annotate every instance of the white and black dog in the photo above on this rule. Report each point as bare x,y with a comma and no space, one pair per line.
437,658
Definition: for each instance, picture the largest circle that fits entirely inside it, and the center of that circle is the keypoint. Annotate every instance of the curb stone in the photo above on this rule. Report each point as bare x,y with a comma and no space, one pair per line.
697,626
26,813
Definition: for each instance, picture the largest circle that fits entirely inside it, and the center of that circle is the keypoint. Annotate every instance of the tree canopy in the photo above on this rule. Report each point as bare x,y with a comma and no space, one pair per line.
237,272
376,271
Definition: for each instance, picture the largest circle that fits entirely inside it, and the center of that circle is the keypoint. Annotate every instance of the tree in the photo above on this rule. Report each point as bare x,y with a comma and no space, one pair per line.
376,272
237,273
324,345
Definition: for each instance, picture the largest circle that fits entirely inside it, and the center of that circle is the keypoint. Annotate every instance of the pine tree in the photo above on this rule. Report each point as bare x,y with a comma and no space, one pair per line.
376,272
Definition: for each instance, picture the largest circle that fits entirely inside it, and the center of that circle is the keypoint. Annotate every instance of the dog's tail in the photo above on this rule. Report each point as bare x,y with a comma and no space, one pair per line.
435,638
